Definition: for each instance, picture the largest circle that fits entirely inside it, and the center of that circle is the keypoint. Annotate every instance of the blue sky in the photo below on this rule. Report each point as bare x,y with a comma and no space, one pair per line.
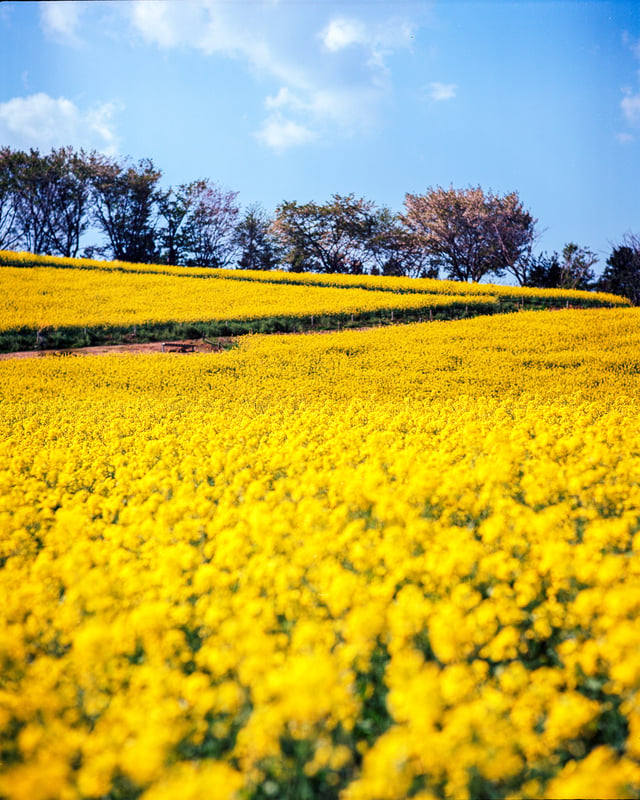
299,99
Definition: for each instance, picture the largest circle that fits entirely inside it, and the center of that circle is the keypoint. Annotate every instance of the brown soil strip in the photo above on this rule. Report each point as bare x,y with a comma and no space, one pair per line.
117,349
220,344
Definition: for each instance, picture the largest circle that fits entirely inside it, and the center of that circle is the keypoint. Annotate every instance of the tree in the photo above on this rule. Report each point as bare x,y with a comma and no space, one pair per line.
255,242
210,226
9,231
70,176
544,272
33,184
576,267
48,202
174,206
622,272
44,200
515,234
125,204
325,238
571,270
469,233
394,249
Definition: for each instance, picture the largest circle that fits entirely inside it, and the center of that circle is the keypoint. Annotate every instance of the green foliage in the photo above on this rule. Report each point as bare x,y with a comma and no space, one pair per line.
622,272
255,241
374,719
571,270
125,198
327,238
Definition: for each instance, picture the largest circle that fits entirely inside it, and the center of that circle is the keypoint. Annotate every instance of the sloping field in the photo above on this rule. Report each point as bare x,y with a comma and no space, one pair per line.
106,302
397,285
53,302
394,563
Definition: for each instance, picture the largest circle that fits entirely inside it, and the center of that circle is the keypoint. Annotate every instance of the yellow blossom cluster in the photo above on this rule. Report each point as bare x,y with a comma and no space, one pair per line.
377,283
367,565
44,296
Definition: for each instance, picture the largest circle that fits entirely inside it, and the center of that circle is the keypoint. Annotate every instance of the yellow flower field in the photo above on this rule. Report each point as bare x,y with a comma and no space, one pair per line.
371,565
370,282
45,296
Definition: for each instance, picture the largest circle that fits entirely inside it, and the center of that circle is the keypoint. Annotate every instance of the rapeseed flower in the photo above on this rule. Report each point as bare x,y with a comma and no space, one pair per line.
374,564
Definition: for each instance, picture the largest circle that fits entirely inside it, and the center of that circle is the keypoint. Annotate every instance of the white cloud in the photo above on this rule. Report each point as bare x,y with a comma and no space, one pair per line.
631,43
624,138
333,72
204,25
347,108
61,20
343,106
441,91
170,24
342,32
286,99
215,28
280,134
394,33
630,105
44,122
375,41
299,119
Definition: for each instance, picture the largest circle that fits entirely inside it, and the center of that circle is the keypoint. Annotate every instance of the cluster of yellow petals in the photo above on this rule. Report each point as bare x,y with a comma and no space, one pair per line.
373,565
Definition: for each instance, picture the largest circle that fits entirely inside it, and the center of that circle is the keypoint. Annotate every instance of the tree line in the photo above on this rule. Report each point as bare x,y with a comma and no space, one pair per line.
50,203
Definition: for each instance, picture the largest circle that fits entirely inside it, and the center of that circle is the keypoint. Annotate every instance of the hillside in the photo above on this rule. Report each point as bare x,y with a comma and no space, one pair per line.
49,302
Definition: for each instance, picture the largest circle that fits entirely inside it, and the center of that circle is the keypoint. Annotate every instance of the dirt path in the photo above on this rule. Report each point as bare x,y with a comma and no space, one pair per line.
116,349
220,344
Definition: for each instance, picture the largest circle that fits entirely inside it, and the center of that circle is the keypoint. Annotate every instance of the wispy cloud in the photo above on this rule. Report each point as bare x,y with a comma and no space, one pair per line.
346,106
44,122
213,28
279,133
625,138
285,98
331,72
439,92
61,20
342,32
376,40
631,43
630,103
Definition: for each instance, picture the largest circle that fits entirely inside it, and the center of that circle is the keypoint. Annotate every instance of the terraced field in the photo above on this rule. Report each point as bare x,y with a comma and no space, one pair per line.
50,302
